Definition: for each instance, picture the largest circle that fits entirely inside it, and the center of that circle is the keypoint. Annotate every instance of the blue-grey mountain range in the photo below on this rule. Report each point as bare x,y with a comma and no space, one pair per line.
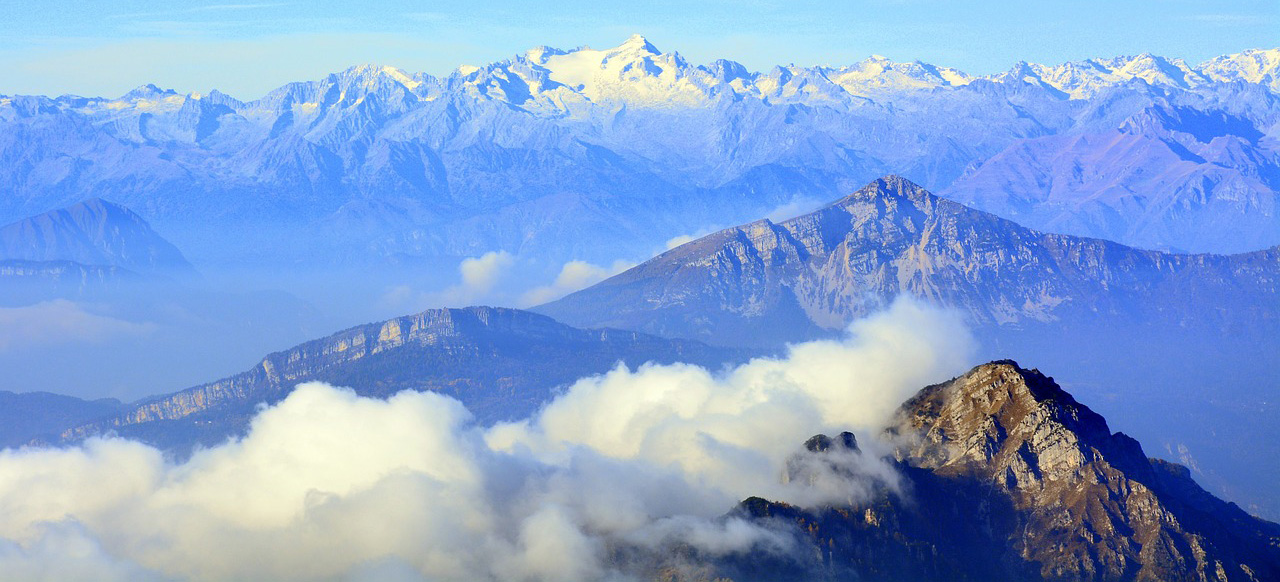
603,154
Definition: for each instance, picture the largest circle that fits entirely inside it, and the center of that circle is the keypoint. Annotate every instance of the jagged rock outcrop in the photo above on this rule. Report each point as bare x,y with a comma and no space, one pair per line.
501,363
1008,477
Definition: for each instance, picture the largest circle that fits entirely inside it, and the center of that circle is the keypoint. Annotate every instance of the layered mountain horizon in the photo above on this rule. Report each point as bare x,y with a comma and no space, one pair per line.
734,260
1188,337
1078,79
1141,331
601,155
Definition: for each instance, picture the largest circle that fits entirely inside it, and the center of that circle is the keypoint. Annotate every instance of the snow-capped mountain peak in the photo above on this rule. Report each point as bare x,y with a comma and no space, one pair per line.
1260,66
1087,78
638,44
634,72
877,75
147,92
370,75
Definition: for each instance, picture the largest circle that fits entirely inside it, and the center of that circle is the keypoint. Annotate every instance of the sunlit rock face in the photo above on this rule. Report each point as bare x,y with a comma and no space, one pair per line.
1010,478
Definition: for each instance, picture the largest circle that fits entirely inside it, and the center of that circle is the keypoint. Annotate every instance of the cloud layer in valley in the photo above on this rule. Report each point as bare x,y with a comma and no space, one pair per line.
574,275
609,476
60,322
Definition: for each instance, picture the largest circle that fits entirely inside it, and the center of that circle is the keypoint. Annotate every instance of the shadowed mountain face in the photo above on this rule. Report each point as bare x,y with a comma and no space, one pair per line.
501,363
766,283
1008,477
93,233
33,413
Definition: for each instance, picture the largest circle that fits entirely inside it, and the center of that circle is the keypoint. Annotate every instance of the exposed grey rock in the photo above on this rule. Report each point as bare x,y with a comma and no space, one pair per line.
765,283
501,363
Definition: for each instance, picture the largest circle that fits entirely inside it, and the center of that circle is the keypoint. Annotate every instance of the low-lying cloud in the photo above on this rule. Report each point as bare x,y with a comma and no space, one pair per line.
574,275
617,470
60,322
479,281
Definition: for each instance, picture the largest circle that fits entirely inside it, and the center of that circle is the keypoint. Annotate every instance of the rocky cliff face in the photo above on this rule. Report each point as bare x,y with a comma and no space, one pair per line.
501,363
1010,478
790,280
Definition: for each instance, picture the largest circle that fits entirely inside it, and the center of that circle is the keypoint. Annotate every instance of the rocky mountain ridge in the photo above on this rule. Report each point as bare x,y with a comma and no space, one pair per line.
501,363
1010,478
1151,336
786,281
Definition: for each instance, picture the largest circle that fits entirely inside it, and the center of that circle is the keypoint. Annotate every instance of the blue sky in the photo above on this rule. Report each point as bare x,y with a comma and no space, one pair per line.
247,47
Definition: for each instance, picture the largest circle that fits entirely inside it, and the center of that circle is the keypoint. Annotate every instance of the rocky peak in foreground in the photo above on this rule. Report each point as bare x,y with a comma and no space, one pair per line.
1008,477
1092,504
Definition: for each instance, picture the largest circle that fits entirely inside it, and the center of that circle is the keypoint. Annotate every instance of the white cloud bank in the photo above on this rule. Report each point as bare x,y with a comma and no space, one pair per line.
477,279
329,485
574,275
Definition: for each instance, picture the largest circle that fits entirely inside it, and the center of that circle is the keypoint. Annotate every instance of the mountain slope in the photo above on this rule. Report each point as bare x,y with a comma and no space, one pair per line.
1148,335
501,363
94,232
765,283
1008,477
34,413
1199,169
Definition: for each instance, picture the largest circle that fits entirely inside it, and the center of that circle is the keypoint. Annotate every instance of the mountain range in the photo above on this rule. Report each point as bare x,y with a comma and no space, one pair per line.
1115,219
1152,336
604,154
1181,347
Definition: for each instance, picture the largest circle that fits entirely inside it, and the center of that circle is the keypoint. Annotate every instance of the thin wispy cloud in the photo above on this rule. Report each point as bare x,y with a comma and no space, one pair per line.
1226,19
199,9
60,322
224,7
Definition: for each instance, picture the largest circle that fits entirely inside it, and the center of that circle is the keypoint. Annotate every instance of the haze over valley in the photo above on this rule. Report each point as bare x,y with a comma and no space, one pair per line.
589,314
